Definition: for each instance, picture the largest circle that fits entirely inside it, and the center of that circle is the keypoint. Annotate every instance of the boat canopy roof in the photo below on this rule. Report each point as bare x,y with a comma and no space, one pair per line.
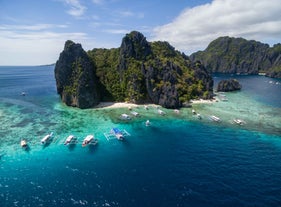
89,138
116,130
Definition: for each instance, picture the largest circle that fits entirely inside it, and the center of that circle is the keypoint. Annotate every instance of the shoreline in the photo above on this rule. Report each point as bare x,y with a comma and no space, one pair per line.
114,105
111,105
204,101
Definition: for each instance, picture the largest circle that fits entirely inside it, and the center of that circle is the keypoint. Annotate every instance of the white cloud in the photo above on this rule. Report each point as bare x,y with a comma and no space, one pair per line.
117,31
195,27
76,8
35,27
22,47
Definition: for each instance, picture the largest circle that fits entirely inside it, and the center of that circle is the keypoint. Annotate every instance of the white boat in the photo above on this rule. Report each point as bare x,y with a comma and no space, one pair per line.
239,121
215,118
23,143
177,111
46,139
199,116
70,139
89,139
193,111
125,117
161,112
147,123
134,113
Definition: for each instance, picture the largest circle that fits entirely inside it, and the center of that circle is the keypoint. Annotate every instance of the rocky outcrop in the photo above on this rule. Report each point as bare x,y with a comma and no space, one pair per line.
75,77
139,71
238,55
228,85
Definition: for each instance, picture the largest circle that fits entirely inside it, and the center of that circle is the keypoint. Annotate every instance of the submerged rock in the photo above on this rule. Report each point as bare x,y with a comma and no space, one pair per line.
229,85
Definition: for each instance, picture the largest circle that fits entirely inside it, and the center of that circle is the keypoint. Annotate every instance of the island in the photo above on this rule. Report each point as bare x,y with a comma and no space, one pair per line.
137,72
240,56
228,85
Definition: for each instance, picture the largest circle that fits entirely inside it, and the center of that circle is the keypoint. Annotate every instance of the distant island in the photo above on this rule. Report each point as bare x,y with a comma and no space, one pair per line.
138,72
240,56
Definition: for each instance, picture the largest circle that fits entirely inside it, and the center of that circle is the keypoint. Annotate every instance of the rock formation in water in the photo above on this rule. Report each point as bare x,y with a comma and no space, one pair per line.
229,85
75,77
138,71
238,55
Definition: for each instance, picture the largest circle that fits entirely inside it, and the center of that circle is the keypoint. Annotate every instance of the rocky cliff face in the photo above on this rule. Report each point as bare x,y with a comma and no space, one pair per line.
229,85
237,55
160,71
75,77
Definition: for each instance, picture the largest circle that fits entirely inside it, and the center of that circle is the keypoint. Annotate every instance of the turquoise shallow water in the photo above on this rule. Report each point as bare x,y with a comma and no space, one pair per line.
177,161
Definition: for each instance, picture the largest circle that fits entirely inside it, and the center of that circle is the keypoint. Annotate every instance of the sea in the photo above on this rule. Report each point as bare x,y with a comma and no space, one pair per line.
179,160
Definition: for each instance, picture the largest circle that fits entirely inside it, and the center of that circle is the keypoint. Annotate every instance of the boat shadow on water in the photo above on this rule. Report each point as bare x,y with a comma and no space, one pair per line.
93,148
27,149
71,147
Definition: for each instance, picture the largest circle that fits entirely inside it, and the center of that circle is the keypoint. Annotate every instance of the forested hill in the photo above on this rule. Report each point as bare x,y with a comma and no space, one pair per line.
238,55
138,71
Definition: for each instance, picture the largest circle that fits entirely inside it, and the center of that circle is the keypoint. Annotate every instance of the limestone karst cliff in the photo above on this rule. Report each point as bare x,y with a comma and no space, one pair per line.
138,71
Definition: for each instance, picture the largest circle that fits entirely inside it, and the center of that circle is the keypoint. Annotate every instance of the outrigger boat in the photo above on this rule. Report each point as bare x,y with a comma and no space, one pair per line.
70,140
89,139
23,143
116,133
46,139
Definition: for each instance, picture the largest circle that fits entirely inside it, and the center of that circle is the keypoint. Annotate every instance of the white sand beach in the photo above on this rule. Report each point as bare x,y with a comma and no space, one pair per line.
203,101
123,105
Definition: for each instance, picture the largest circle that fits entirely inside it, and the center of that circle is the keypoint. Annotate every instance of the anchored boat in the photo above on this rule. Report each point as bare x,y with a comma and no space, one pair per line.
71,139
116,133
23,143
89,139
215,118
46,139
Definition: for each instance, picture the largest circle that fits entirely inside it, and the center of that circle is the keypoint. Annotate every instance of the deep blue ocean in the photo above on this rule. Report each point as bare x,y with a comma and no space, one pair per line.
177,161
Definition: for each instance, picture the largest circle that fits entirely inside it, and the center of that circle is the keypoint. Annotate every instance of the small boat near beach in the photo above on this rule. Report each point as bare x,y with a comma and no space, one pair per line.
46,139
89,139
161,112
71,139
23,143
194,112
215,118
134,113
147,123
239,122
125,117
198,116
176,111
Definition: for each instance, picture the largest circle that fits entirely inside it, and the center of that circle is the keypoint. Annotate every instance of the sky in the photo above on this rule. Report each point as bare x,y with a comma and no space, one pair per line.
33,32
